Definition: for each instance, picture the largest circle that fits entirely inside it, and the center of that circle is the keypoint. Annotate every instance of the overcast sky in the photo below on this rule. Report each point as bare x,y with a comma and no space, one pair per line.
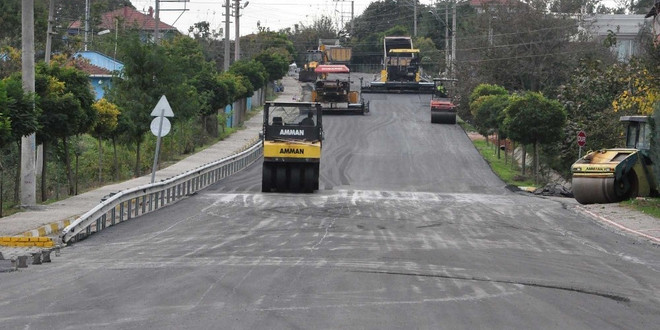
275,14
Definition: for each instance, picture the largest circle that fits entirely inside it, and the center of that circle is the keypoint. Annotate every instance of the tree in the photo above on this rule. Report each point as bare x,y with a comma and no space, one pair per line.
533,119
306,38
66,99
107,114
276,65
587,98
22,114
254,71
146,77
5,133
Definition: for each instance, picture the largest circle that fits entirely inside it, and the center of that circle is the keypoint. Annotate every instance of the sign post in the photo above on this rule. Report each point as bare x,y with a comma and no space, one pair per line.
160,127
581,141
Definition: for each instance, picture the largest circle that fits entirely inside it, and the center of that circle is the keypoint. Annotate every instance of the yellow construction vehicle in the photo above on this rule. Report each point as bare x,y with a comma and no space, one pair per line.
329,51
312,60
291,137
614,175
401,71
335,95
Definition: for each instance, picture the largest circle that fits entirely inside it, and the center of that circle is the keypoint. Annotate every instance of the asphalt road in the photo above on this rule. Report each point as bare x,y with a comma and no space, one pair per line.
410,230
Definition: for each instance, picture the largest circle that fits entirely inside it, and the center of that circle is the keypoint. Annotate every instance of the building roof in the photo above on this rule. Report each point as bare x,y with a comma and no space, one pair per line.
95,63
89,68
128,17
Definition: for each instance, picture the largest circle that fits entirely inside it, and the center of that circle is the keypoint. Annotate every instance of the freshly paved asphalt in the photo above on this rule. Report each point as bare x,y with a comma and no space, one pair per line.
410,229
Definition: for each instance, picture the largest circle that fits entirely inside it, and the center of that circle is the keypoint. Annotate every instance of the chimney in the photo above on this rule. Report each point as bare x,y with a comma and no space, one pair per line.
151,11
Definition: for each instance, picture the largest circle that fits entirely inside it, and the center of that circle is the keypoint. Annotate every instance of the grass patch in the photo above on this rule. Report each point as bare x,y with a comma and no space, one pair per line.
506,171
647,205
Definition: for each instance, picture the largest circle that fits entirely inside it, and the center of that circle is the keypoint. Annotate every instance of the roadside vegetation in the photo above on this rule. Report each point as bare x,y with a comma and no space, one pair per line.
89,142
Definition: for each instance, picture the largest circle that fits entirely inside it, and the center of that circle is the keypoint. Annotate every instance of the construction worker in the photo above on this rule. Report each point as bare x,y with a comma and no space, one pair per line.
441,91
309,121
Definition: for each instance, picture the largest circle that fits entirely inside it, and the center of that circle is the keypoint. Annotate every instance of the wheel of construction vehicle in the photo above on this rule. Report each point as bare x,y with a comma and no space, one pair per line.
267,178
316,177
626,187
280,178
308,179
295,179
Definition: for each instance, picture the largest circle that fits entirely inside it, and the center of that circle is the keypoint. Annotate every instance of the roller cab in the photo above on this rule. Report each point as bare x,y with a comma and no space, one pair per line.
292,137
614,175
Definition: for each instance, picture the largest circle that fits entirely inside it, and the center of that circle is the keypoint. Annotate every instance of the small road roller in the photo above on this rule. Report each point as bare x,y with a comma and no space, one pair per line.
443,110
291,137
614,175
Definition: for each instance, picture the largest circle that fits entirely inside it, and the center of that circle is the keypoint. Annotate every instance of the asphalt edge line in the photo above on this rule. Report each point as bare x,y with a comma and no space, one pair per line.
599,217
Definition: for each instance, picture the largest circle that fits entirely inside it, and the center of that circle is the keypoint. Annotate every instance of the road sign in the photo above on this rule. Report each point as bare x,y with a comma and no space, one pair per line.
160,126
155,125
163,108
581,138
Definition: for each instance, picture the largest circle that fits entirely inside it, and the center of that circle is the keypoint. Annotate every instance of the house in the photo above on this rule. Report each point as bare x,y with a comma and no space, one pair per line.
626,28
480,6
127,18
99,67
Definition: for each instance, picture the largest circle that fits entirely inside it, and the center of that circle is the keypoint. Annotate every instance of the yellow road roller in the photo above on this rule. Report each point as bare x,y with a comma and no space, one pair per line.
292,135
614,175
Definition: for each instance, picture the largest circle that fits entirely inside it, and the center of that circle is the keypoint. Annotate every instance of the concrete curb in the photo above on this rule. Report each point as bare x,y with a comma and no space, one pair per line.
602,219
50,229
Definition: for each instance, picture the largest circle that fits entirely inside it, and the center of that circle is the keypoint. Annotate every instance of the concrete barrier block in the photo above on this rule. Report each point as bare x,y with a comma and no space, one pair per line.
45,255
36,258
22,262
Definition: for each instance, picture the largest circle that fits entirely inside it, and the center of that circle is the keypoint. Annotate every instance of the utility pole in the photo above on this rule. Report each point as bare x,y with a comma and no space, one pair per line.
453,39
28,143
352,17
415,17
237,43
86,22
156,32
49,33
227,15
447,61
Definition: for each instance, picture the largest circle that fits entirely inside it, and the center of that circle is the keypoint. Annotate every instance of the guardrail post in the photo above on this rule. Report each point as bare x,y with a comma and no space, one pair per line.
113,215
104,218
121,212
162,198
130,208
144,203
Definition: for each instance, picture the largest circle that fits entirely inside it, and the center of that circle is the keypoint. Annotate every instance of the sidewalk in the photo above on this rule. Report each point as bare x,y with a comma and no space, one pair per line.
45,220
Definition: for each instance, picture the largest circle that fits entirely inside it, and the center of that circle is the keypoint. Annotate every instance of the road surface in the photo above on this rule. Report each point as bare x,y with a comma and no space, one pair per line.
410,230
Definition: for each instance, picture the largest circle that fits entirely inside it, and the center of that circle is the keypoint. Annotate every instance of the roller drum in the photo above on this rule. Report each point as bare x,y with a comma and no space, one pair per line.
443,118
589,190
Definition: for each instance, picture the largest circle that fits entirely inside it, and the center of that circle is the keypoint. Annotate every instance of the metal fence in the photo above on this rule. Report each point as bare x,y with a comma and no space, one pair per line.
134,202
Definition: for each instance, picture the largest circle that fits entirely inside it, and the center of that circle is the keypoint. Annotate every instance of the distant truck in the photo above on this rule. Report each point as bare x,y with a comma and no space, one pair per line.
329,51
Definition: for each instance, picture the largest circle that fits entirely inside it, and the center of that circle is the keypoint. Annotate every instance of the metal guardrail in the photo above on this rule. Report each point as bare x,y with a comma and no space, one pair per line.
131,203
